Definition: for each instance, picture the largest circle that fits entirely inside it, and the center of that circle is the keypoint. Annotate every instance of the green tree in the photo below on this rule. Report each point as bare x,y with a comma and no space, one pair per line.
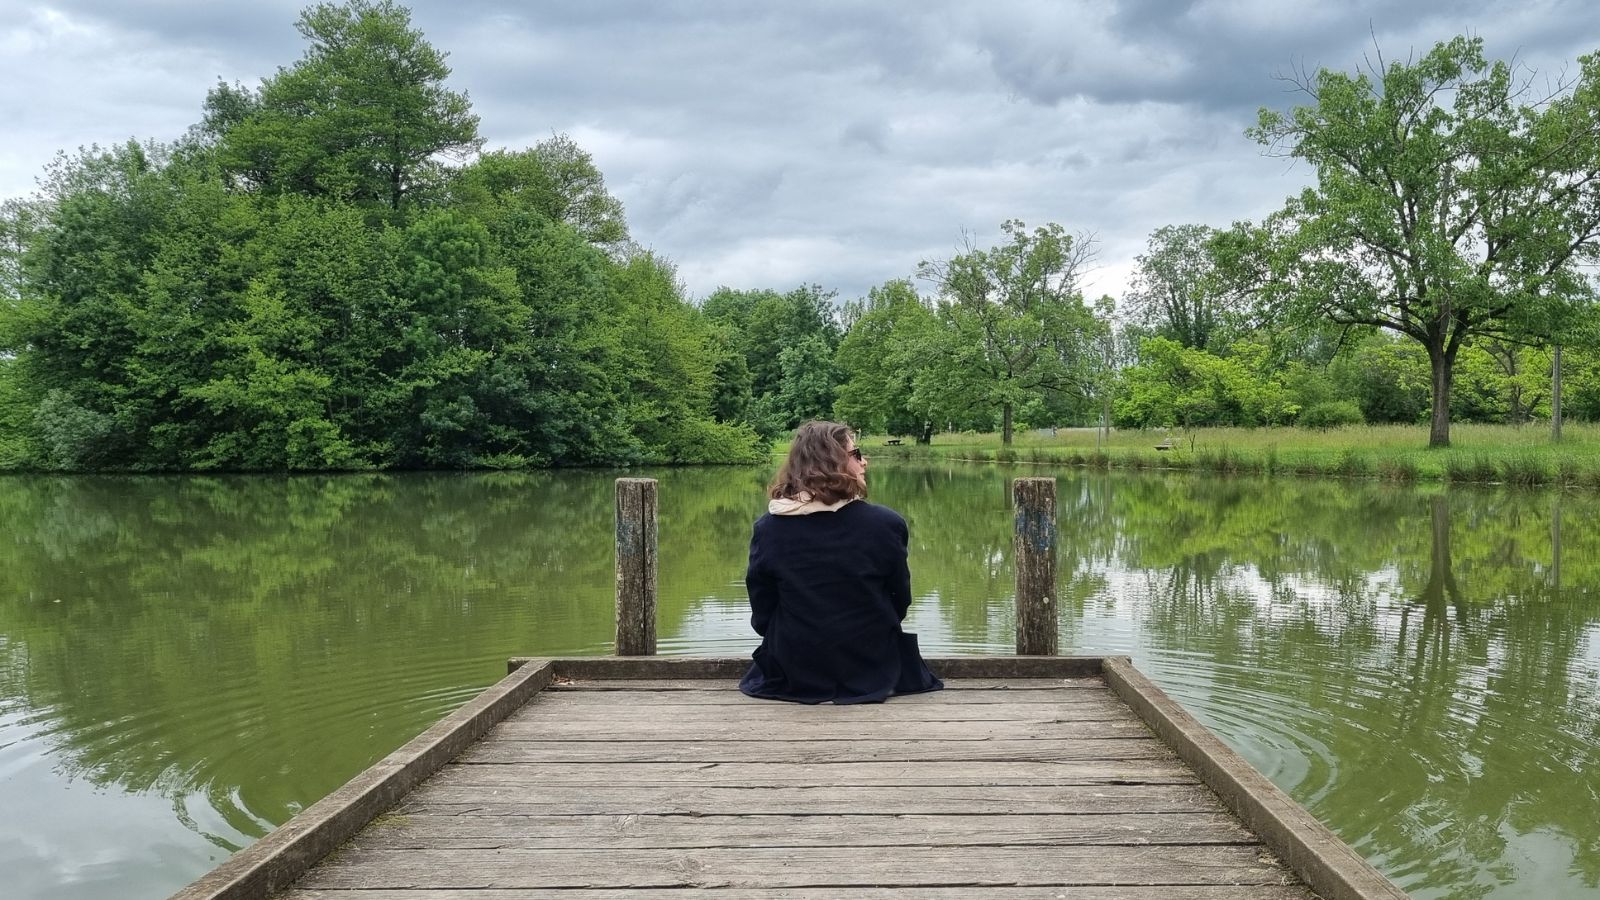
879,361
1444,209
555,180
1018,310
364,116
1179,290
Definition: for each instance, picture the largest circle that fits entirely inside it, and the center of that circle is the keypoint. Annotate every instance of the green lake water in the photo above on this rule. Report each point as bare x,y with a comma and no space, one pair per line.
186,662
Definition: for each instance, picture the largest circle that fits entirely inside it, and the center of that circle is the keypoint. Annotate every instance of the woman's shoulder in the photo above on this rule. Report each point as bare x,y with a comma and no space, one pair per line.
877,513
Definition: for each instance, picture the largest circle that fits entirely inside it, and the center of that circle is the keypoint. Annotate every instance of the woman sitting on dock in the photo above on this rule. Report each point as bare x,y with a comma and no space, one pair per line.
829,584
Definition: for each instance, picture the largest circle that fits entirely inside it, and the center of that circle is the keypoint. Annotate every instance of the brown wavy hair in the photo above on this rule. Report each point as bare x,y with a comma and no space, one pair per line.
816,465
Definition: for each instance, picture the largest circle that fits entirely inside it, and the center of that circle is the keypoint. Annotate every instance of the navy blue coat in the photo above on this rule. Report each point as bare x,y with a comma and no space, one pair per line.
827,593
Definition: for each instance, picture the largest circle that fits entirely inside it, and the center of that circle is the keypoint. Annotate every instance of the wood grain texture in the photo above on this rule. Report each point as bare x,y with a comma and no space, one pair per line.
416,832
643,696
1034,559
537,774
907,867
560,800
996,892
636,566
734,729
494,749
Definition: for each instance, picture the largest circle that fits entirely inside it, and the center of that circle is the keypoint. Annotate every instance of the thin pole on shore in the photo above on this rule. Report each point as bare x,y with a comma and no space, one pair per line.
1034,555
636,566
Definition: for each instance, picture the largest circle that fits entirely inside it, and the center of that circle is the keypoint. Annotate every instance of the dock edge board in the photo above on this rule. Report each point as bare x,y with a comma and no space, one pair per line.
1327,865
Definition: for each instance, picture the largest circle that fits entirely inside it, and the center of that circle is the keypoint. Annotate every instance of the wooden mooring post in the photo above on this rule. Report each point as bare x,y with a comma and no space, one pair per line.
1034,555
636,566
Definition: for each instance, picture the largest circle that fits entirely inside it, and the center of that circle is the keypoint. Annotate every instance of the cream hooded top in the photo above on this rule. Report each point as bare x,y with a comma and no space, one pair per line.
803,505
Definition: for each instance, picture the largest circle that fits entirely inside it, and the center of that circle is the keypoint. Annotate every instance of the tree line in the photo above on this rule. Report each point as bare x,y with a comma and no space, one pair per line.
328,272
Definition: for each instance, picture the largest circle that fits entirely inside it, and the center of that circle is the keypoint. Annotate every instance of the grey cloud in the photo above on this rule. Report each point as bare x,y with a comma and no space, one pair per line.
870,134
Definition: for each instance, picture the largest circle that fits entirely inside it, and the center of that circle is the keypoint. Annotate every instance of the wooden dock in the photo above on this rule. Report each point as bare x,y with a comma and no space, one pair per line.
1028,777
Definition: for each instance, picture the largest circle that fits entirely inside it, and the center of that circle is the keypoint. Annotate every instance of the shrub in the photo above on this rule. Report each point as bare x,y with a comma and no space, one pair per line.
1330,414
1483,469
1353,464
1524,470
1398,470
1566,472
74,438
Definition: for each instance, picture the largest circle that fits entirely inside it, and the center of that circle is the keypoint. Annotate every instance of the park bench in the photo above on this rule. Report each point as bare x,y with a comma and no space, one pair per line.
892,442
1166,444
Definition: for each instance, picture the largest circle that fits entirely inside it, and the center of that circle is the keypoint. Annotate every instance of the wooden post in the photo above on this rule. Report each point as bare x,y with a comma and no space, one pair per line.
1034,555
1555,395
636,566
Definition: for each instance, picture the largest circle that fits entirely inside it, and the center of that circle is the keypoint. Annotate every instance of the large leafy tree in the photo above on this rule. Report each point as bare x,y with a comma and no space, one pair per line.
364,116
1445,206
881,358
1018,313
1180,291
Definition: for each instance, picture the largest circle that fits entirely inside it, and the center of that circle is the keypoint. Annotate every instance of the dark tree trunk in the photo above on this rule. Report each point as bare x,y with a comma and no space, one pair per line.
1005,428
1443,373
1519,413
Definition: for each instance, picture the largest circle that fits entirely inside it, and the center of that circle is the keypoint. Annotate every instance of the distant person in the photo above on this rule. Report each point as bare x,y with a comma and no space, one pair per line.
829,584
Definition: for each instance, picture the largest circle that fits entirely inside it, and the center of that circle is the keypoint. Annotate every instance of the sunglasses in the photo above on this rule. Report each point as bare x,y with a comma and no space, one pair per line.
857,455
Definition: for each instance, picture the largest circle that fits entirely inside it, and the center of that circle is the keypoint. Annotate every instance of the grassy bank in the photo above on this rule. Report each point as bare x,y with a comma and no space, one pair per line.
1478,453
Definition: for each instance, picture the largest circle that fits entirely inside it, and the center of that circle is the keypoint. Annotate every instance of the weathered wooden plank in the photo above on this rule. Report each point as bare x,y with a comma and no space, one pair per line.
782,867
534,728
730,684
997,892
439,799
494,749
537,775
660,832
1107,710
693,667
955,697
1328,864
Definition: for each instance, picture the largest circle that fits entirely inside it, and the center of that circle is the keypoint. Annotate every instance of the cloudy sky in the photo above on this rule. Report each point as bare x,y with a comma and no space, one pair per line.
833,141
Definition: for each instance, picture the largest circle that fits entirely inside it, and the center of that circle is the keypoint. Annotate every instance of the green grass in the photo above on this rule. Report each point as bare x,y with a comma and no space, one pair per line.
1400,453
